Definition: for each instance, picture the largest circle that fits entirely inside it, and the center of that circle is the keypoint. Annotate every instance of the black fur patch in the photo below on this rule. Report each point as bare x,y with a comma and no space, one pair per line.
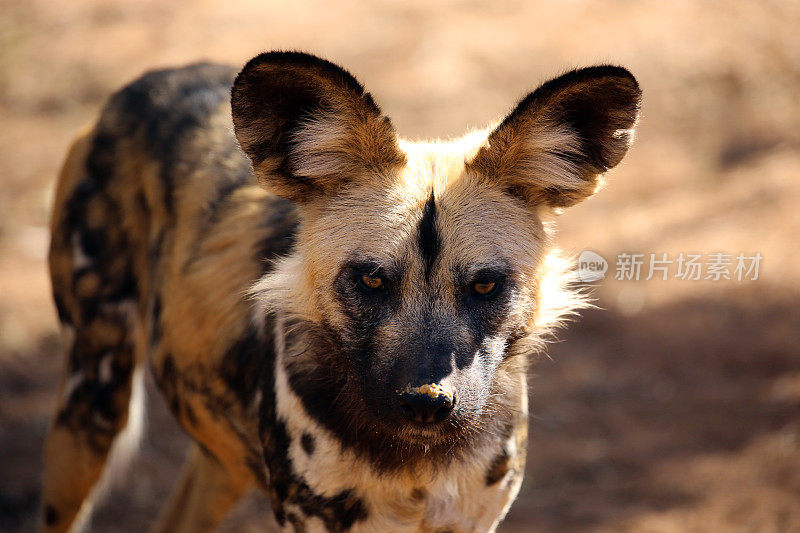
429,240
167,380
165,106
61,308
498,468
107,248
189,416
50,515
155,250
155,321
308,443
243,364
95,409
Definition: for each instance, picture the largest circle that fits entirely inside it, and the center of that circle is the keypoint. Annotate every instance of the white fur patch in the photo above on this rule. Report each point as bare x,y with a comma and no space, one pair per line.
320,144
559,299
543,160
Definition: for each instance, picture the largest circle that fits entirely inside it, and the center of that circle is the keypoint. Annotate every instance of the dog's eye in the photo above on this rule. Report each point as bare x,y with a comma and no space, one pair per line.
372,282
484,288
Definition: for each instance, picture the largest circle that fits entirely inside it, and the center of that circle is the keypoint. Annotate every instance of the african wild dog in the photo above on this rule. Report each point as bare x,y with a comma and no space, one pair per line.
352,336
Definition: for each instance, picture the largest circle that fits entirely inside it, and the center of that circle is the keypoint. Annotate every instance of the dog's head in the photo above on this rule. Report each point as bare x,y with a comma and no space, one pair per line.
421,265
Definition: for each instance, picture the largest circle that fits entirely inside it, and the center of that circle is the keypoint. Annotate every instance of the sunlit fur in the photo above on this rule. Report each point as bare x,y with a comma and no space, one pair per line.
379,214
209,226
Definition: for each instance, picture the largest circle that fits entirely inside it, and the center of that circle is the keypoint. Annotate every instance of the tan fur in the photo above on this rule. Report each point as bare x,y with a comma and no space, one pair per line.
166,253
389,210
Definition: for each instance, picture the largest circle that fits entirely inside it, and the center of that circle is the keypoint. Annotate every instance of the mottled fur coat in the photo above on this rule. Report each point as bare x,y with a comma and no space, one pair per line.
337,316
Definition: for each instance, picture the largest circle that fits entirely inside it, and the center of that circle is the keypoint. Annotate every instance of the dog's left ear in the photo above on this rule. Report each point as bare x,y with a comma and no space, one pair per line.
556,143
307,125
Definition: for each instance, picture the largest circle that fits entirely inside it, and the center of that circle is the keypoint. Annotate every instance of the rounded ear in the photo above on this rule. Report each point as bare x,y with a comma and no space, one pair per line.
553,147
308,125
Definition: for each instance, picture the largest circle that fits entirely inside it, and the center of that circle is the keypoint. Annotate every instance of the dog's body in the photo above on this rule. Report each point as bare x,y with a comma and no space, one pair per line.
353,342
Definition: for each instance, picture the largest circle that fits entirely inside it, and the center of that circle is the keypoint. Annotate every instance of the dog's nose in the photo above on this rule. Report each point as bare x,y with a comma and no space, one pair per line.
426,404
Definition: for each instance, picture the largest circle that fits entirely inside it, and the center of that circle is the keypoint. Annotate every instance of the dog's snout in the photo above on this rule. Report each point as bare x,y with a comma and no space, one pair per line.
427,404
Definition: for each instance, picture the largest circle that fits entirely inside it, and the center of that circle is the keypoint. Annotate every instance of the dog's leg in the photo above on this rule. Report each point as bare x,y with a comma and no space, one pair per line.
95,295
203,496
91,411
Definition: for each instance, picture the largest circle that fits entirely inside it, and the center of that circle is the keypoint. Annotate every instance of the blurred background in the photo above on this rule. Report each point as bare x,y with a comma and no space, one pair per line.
674,407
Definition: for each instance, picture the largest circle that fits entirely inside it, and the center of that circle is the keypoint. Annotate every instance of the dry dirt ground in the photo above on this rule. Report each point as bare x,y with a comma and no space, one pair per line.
675,407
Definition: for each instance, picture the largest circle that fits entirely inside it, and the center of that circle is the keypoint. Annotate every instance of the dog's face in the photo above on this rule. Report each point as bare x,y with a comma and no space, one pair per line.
422,263
423,280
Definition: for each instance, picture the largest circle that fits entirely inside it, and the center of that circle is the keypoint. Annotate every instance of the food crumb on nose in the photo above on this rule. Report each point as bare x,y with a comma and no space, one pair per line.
434,390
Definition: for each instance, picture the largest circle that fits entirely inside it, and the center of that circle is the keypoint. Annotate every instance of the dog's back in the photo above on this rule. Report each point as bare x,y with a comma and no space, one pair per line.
157,231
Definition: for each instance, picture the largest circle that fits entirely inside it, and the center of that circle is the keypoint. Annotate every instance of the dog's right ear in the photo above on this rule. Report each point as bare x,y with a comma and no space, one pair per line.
308,125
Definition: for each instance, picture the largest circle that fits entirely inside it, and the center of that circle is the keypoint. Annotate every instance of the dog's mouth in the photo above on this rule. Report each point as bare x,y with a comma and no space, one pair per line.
416,433
426,434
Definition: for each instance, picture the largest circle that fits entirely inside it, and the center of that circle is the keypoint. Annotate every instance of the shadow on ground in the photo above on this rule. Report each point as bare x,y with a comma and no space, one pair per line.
655,419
